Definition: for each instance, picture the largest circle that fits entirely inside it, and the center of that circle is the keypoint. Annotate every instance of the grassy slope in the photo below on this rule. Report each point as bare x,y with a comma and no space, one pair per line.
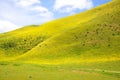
22,40
94,40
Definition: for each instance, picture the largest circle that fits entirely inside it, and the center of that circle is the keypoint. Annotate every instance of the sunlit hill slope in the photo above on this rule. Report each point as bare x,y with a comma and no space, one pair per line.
90,36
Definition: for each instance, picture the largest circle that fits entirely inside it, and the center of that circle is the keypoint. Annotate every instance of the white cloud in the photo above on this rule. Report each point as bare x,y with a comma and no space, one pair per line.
31,5
71,5
15,13
21,16
34,7
42,11
26,3
7,26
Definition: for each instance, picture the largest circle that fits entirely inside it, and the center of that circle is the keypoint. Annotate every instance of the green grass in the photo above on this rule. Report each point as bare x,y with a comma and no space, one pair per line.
18,71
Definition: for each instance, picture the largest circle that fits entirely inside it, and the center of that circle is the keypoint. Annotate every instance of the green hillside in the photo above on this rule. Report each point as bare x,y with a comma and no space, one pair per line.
91,36
22,40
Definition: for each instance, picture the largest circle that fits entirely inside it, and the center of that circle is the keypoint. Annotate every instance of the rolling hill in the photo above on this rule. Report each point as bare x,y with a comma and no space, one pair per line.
90,36
20,41
95,38
83,46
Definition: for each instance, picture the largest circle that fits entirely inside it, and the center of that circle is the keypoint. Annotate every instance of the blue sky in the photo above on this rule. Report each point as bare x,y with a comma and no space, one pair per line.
17,13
